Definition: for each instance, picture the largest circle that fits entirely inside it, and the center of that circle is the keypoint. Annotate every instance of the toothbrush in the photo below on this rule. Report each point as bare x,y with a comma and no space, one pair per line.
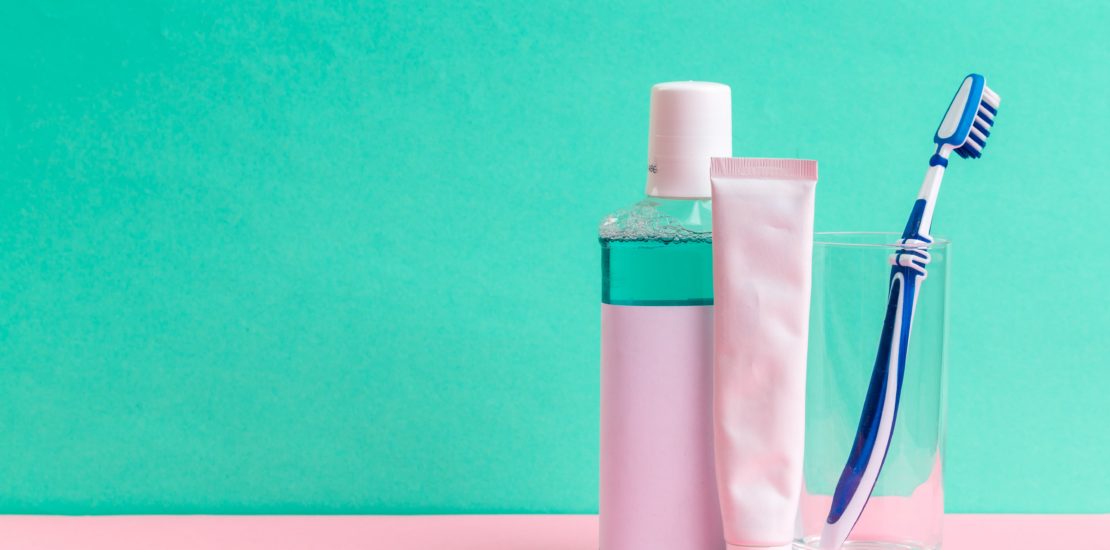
964,130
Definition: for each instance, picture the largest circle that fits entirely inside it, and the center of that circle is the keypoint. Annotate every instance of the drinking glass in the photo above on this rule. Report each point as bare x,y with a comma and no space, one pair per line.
850,286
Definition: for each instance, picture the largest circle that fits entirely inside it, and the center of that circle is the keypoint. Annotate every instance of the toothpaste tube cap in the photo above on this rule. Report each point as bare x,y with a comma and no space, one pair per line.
690,122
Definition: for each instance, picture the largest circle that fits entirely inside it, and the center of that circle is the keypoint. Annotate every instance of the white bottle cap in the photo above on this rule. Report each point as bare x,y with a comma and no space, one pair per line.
690,122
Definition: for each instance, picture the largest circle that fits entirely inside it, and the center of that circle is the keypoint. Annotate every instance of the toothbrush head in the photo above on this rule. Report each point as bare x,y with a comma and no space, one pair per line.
968,122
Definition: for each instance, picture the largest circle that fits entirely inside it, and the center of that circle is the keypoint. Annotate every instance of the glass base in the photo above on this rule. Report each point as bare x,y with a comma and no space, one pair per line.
814,543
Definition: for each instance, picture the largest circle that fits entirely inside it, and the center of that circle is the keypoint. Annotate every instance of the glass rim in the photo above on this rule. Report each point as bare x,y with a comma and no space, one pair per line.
889,239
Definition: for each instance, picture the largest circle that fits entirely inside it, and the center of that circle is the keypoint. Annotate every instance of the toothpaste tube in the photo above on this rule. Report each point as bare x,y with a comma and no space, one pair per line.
762,255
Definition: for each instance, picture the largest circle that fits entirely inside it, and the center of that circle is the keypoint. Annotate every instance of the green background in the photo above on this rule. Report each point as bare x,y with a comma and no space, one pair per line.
341,258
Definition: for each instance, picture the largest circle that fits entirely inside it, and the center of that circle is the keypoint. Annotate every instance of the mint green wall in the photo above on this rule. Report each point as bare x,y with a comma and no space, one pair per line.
341,258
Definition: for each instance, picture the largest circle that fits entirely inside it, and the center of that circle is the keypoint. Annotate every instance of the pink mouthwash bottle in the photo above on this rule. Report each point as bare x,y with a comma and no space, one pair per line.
658,487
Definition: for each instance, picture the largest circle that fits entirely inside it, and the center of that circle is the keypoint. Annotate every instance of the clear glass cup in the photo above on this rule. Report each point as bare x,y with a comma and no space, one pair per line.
850,282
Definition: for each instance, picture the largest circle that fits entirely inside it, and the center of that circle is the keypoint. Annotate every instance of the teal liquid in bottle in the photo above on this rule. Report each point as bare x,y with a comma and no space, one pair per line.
659,252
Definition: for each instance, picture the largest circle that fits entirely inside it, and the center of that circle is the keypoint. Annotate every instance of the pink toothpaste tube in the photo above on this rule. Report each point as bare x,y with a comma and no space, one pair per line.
762,256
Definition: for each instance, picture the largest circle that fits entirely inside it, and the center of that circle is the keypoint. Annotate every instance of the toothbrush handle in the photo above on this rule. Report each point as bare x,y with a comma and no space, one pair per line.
880,407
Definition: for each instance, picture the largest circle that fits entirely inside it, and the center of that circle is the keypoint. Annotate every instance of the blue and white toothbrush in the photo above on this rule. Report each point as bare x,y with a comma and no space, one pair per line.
964,130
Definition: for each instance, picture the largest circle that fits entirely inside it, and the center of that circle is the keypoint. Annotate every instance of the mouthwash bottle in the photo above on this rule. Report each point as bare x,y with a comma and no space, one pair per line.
658,486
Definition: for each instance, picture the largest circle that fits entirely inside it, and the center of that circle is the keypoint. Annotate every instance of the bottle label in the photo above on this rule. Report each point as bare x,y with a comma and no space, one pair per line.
658,487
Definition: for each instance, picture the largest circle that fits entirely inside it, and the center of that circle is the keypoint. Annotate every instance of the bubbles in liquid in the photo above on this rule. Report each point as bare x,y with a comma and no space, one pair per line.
646,220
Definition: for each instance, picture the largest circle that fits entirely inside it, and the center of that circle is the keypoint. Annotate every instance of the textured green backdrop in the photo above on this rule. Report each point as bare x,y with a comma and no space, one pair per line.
341,258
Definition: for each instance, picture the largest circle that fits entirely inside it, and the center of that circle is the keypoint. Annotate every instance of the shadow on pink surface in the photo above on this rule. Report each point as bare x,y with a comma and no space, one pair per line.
554,532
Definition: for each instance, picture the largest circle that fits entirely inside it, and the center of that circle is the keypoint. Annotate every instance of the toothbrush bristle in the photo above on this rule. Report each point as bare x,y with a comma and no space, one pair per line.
980,127
990,97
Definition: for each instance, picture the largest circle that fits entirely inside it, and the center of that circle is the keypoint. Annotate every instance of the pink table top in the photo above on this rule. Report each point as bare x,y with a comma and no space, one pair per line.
568,532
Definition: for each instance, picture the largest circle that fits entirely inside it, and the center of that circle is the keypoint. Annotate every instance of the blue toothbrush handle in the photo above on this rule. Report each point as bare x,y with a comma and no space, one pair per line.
873,435
880,407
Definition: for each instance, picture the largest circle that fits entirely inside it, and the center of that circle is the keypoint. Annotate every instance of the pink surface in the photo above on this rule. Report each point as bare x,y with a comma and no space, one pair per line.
962,532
